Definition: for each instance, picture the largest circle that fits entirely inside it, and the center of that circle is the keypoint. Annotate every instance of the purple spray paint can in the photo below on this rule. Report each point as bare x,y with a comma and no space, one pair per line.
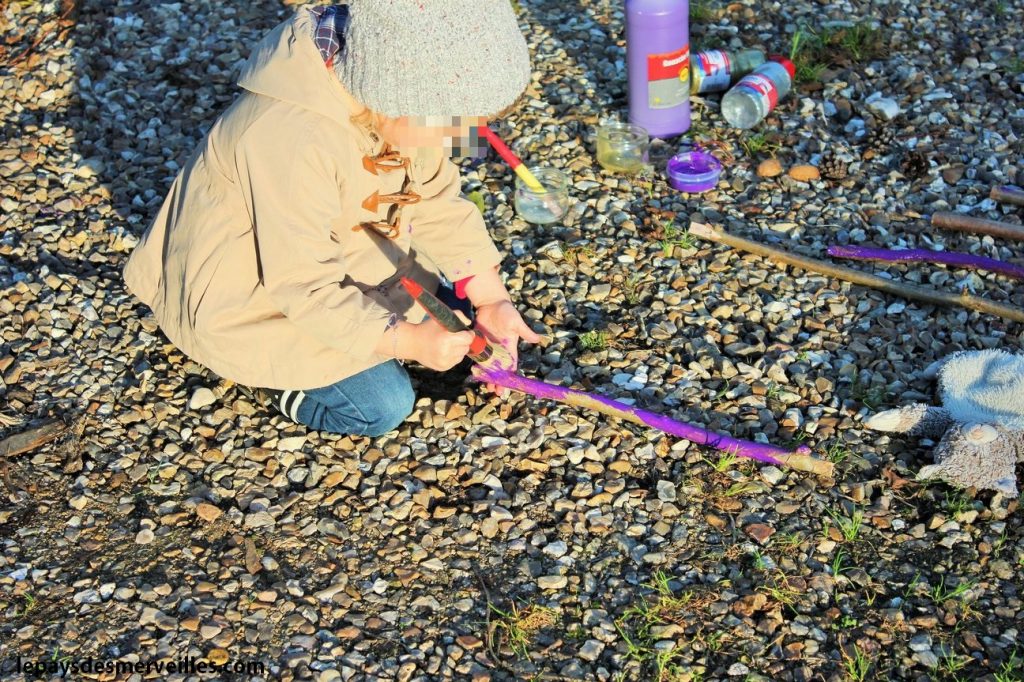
658,53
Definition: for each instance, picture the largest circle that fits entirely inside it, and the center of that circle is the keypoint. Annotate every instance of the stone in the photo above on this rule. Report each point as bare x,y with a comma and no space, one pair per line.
552,582
260,519
591,649
207,512
218,656
201,397
210,631
556,549
804,173
769,168
884,108
760,532
291,443
750,604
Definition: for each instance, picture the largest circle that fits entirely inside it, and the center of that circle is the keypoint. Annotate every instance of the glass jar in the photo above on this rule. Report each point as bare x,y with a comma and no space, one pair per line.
622,147
549,206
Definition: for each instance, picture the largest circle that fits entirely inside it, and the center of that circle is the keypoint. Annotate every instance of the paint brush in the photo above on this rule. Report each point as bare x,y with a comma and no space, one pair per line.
480,350
514,162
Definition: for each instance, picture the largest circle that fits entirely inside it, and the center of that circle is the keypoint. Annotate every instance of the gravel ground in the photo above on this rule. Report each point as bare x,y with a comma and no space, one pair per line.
521,540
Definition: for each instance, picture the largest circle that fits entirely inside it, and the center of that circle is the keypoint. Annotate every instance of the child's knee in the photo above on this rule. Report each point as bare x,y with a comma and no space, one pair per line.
384,417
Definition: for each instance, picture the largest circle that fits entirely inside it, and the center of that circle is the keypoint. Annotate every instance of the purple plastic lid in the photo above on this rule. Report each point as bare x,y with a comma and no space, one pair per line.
694,171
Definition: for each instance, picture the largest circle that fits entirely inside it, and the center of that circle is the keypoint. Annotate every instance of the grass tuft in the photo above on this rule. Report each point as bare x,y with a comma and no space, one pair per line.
671,235
941,594
517,627
849,526
760,143
594,340
856,665
812,51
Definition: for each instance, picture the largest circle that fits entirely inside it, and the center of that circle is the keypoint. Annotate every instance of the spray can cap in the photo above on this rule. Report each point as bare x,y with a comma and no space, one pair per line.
786,64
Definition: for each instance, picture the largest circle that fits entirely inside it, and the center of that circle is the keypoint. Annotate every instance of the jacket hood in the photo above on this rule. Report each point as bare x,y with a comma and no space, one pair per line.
287,66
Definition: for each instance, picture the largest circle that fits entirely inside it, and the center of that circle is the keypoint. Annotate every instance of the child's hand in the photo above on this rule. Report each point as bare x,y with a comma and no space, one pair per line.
502,324
435,347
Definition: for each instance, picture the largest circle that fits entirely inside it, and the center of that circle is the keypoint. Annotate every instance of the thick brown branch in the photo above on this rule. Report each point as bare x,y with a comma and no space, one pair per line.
1007,194
857,277
963,223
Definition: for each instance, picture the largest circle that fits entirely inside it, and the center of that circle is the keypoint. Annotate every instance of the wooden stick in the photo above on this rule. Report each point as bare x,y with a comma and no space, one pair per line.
857,277
964,223
31,439
1007,194
799,459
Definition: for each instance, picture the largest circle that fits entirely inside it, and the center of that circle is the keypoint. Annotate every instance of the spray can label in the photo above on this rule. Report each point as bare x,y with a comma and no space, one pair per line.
712,70
761,87
668,78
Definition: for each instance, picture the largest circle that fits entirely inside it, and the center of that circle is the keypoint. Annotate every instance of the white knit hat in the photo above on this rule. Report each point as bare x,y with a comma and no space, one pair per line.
434,57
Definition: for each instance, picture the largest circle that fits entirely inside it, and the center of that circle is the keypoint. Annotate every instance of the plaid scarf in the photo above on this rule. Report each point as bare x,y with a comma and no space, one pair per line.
329,34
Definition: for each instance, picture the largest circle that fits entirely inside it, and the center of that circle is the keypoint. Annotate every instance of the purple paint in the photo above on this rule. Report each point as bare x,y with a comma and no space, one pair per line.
658,64
967,260
759,451
694,172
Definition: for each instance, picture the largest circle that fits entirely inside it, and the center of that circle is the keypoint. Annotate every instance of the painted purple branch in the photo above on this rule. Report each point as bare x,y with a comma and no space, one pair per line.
800,459
967,260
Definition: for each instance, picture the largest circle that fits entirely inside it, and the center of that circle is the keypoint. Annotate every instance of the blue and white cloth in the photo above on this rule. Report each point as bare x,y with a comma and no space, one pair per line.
329,34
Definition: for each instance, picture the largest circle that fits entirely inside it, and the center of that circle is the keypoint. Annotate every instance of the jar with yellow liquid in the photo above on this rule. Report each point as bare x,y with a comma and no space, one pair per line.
622,147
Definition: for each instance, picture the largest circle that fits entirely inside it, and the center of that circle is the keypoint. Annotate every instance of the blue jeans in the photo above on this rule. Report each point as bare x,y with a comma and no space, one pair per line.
372,402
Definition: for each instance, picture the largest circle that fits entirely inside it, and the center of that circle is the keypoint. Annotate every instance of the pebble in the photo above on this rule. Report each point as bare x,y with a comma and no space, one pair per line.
769,168
556,549
666,491
201,397
804,173
319,554
885,108
207,512
552,582
591,650
291,444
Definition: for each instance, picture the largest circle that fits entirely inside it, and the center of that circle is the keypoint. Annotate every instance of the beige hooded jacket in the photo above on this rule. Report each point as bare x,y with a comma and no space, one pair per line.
256,266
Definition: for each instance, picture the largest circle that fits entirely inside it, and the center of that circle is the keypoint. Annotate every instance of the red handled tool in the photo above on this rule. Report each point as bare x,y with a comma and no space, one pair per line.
480,350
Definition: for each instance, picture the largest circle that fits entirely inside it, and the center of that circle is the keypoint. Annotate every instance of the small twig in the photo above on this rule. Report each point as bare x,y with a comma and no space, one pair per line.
489,627
925,294
71,6
5,475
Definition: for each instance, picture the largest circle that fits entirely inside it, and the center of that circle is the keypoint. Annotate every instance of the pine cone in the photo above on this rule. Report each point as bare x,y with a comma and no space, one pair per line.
915,165
879,141
832,167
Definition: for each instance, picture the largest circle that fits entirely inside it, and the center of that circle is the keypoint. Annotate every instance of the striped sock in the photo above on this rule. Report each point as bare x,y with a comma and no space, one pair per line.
288,403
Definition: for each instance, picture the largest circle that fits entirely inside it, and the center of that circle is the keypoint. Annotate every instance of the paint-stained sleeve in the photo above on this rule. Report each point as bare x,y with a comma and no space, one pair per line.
449,229
291,189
